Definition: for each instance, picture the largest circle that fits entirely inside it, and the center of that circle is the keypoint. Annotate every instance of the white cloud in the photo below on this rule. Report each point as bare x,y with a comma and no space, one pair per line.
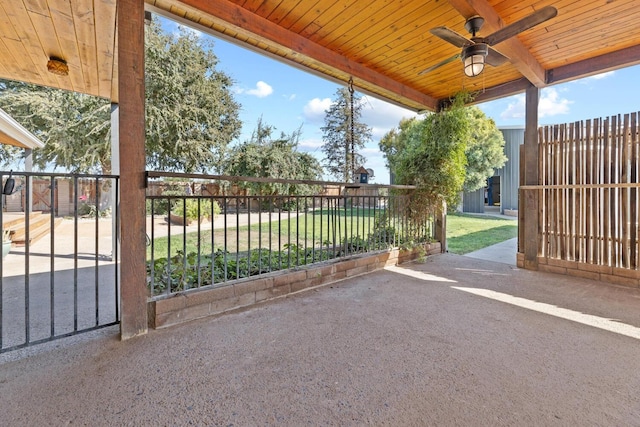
382,116
261,90
515,108
369,151
187,29
551,104
314,110
601,76
310,144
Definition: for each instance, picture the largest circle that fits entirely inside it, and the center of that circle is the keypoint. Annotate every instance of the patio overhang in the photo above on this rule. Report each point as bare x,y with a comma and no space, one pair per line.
382,45
13,133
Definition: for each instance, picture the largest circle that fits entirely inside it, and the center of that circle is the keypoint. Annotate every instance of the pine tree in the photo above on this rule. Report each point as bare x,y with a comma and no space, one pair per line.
341,151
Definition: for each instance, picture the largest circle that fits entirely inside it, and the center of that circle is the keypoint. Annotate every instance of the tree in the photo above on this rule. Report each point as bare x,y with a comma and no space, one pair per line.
191,115
434,158
444,153
341,152
266,157
190,111
395,142
485,149
74,127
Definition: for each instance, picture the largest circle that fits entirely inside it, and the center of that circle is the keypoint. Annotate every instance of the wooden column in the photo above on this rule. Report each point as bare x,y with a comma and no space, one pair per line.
530,203
28,167
115,170
133,294
441,226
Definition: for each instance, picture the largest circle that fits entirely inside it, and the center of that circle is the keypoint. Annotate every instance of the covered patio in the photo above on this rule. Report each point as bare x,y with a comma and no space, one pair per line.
98,48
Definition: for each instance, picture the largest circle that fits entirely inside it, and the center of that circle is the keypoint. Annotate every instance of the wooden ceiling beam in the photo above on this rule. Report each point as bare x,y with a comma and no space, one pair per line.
502,90
246,22
513,48
596,65
492,93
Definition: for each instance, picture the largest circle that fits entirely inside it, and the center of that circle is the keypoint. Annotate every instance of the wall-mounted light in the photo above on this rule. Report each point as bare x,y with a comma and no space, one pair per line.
473,58
57,66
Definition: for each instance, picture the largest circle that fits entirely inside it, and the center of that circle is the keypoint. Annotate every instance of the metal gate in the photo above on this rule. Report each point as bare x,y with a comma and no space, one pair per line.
60,275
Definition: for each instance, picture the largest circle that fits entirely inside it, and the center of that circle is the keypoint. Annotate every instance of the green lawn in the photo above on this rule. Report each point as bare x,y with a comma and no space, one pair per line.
303,231
468,233
465,233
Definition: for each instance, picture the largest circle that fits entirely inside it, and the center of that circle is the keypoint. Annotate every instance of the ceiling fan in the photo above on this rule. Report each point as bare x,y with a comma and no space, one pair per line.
477,51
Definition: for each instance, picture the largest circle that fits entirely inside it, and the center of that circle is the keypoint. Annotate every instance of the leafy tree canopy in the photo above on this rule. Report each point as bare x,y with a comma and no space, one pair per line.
191,115
268,157
75,128
337,144
485,149
444,153
190,111
395,142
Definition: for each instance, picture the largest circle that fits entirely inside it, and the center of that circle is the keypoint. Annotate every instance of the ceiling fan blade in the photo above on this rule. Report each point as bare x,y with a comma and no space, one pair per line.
451,36
524,24
495,58
439,64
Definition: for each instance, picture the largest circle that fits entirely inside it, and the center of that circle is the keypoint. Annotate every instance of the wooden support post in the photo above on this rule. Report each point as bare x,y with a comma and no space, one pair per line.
133,296
115,170
531,197
441,226
28,166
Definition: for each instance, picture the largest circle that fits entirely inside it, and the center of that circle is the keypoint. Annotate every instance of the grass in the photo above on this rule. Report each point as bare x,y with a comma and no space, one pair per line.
465,233
302,231
468,233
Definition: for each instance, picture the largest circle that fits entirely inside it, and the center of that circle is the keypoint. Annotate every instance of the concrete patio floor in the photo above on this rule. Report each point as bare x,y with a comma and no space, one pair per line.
452,341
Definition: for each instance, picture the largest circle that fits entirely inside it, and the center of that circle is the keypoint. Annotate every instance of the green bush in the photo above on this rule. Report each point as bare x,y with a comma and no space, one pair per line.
182,272
189,208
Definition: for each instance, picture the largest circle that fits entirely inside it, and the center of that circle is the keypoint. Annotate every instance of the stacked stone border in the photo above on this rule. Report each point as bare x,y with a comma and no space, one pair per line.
244,293
603,273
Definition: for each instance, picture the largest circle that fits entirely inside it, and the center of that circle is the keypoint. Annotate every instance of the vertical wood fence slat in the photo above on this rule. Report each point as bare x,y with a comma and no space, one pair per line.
572,192
607,192
579,181
634,193
542,162
553,227
595,214
600,208
614,192
562,222
588,199
560,200
625,177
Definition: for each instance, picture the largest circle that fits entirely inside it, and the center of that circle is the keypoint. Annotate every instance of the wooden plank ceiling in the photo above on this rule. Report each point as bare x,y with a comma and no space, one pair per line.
382,44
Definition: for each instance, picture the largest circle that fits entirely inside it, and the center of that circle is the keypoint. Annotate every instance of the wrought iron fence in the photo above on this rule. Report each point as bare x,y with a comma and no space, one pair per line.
207,230
59,275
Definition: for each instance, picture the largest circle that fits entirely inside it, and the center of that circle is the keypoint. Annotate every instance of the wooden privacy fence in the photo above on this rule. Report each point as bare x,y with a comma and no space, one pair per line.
588,192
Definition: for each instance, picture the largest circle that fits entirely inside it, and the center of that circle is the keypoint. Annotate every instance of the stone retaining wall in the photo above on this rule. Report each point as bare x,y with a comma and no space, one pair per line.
191,305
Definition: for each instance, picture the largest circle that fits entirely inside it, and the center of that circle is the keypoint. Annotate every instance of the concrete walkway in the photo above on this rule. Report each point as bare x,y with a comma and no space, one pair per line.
452,341
503,252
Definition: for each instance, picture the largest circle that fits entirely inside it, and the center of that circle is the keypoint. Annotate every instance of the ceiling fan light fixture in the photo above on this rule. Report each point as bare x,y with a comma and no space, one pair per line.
473,58
57,66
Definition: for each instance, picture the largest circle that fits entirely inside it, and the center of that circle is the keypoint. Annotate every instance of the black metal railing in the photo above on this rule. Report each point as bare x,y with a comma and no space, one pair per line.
59,276
209,230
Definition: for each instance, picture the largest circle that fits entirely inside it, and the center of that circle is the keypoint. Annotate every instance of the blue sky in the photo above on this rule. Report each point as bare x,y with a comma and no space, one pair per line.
288,98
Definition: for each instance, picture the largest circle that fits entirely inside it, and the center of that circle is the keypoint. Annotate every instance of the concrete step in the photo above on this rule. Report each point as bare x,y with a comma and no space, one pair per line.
39,226
13,220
